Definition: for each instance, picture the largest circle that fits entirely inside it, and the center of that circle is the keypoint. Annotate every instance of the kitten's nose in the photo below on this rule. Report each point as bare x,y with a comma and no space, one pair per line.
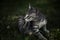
26,20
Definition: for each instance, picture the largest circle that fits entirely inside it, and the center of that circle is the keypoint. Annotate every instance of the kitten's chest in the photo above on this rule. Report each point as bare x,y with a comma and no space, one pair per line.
40,23
36,22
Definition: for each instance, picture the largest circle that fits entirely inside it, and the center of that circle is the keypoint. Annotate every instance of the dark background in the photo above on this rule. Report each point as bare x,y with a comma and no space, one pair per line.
10,10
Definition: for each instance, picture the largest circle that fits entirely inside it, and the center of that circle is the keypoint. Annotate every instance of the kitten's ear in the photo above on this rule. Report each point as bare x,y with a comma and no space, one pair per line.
29,6
37,11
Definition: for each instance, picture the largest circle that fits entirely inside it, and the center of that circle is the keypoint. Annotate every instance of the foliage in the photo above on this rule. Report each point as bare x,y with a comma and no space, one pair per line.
12,9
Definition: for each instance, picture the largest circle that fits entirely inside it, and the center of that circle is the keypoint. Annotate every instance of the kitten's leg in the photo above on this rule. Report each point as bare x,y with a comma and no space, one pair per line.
45,29
39,35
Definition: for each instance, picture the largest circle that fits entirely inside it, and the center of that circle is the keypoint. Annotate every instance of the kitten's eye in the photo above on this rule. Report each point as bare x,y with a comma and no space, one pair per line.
29,17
